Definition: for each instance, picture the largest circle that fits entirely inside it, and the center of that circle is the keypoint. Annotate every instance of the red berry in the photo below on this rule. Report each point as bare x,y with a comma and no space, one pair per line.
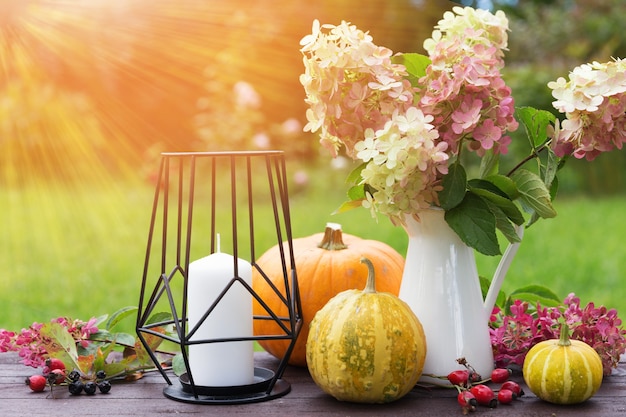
459,377
466,400
500,375
484,395
55,363
506,396
56,376
514,387
36,383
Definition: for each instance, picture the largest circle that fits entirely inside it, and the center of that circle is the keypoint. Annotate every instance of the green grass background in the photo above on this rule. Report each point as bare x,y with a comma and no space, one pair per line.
79,251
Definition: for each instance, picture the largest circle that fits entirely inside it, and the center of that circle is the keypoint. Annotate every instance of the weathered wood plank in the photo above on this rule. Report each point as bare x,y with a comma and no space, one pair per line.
145,398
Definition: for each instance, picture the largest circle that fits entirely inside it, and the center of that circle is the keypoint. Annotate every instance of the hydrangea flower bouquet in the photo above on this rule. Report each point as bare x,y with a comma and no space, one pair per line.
413,122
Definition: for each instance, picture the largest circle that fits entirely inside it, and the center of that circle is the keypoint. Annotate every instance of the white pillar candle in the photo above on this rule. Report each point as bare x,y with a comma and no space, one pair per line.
221,363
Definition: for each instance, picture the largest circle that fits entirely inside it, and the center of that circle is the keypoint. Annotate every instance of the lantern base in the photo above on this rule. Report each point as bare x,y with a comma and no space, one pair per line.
238,394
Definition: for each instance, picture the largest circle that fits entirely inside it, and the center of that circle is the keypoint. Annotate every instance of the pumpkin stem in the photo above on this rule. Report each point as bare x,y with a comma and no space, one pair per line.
332,239
370,285
564,337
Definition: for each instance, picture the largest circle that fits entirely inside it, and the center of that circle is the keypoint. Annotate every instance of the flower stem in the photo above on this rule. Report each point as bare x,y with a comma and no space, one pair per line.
533,154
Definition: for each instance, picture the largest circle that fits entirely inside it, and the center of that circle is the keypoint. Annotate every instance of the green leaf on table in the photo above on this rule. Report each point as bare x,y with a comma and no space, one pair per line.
415,64
454,186
159,317
178,364
124,366
120,315
124,339
475,224
101,319
59,343
86,363
536,123
533,193
153,341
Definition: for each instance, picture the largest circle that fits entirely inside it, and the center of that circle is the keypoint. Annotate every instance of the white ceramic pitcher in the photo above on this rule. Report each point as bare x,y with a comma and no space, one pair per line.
440,283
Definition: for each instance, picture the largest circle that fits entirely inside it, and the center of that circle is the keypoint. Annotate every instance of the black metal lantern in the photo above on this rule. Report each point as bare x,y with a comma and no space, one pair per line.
231,201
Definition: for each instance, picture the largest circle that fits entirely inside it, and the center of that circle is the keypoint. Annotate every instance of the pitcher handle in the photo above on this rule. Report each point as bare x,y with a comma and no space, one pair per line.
501,270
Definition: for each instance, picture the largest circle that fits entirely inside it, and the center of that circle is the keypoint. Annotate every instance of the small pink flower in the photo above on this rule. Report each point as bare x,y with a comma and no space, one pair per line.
89,328
466,116
487,134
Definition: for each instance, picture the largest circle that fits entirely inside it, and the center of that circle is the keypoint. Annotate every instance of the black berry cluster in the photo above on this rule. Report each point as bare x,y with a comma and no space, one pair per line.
79,383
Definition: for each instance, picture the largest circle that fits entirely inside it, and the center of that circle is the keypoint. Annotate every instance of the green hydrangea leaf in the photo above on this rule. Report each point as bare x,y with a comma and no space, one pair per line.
489,164
533,193
498,198
454,186
475,224
415,64
504,183
535,122
347,206
503,223
354,177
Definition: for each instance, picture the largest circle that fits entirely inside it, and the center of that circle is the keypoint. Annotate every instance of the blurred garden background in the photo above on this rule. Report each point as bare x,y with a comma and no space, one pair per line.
93,90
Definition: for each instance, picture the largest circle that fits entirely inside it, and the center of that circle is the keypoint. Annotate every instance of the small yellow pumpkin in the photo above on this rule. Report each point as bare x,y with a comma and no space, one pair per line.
563,371
366,346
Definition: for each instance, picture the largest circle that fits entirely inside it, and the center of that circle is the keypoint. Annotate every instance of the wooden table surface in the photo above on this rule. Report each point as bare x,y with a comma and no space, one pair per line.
145,398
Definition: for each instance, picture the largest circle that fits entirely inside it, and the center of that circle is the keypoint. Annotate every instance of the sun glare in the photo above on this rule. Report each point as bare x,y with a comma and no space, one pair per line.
91,91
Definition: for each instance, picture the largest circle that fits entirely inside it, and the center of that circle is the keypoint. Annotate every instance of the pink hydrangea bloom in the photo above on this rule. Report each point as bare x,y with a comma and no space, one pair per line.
359,99
351,85
463,87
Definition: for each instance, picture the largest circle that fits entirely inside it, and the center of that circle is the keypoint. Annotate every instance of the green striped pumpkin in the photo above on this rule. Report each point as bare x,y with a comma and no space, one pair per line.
365,346
563,371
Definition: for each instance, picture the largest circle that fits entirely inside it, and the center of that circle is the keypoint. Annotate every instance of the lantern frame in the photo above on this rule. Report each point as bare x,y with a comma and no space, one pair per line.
245,177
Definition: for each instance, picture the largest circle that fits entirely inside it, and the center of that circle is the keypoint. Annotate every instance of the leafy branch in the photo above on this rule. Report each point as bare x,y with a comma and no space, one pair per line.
476,208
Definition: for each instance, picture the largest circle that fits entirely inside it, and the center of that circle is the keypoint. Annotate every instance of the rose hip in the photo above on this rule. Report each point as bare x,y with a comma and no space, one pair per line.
55,363
56,376
37,383
459,377
506,396
467,400
484,395
514,387
499,375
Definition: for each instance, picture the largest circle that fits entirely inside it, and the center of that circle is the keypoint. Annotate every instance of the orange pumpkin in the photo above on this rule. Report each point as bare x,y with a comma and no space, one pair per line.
326,264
